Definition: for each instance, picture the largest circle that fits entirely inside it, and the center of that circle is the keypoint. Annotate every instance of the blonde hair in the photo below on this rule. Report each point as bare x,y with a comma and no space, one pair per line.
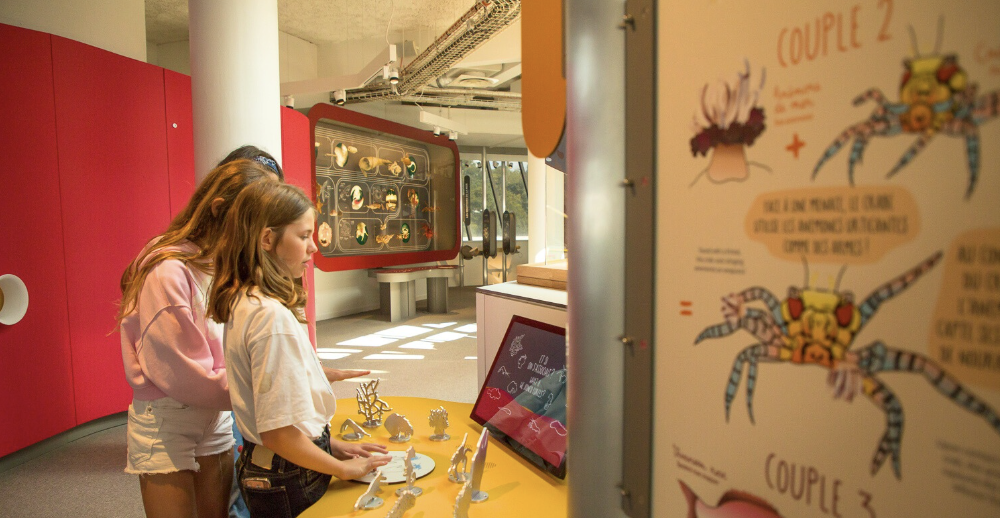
241,263
198,223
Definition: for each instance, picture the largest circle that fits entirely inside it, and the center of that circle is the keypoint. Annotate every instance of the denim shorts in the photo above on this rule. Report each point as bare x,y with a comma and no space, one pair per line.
283,491
165,435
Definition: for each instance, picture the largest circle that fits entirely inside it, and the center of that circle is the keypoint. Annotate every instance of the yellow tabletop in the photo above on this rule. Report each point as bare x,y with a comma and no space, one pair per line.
516,487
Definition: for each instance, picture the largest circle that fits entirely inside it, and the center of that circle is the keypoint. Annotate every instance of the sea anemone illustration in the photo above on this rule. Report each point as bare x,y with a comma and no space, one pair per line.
728,121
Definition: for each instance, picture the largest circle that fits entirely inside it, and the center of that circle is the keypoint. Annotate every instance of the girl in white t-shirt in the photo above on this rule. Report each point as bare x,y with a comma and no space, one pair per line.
281,395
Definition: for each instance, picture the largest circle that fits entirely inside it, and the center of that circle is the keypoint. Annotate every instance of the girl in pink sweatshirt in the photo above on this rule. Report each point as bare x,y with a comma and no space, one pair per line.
179,425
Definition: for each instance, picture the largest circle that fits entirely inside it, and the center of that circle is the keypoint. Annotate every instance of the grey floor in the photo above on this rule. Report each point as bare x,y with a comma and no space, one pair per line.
79,473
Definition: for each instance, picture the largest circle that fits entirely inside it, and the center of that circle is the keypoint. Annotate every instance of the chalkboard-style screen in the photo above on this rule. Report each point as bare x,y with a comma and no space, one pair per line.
523,401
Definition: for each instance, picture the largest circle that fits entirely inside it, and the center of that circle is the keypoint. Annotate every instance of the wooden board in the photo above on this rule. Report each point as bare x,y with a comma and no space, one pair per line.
551,275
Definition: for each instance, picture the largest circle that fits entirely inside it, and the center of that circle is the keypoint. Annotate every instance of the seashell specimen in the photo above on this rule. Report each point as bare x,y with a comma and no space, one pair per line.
370,162
357,197
395,169
341,152
411,166
325,234
361,234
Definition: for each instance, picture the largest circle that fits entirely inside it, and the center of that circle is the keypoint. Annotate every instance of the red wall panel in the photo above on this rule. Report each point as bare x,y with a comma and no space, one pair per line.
36,380
111,128
296,163
180,139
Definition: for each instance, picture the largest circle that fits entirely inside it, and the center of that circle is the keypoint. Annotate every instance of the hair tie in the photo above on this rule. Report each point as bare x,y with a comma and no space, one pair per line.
271,164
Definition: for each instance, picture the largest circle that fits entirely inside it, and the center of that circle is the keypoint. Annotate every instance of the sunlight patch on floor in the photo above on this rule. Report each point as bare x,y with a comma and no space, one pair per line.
446,336
323,355
398,356
467,328
441,326
418,345
402,332
368,341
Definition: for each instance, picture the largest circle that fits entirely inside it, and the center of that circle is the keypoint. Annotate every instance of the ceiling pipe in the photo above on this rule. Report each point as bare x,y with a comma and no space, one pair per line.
483,21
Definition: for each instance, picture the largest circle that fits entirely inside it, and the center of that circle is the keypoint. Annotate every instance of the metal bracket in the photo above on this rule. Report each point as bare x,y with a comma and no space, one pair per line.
628,22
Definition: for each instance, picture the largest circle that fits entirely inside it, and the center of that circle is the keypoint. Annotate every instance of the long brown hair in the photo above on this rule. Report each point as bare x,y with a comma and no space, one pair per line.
241,263
197,223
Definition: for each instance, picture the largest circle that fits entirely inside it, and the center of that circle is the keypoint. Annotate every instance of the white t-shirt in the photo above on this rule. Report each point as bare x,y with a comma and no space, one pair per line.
275,377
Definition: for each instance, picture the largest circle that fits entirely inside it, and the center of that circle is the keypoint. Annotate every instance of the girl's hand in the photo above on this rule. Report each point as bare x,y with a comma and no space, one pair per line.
333,375
347,450
361,466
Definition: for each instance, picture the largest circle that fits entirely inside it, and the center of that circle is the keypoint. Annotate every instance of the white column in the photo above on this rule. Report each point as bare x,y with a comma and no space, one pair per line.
235,85
536,209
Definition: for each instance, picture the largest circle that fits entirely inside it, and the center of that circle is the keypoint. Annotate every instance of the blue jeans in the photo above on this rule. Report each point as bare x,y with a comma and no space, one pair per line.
284,490
237,507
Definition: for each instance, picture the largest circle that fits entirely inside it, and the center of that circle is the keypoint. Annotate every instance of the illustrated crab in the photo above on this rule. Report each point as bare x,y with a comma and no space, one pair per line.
818,327
935,97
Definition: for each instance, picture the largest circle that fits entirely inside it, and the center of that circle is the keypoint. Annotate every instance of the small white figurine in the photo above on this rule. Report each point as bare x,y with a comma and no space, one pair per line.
356,432
399,427
370,405
461,456
406,502
411,475
463,501
478,464
439,420
368,500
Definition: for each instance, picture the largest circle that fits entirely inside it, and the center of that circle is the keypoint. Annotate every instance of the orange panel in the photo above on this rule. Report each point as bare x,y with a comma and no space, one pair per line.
543,79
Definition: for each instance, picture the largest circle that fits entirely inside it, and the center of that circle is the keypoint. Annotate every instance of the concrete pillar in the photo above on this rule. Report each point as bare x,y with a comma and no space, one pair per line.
536,209
235,87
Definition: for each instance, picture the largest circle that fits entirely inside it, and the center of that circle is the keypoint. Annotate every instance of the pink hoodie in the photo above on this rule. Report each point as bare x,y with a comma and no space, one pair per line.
169,347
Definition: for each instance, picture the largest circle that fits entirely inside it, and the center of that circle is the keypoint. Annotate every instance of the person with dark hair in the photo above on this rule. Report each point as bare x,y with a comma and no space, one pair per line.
254,153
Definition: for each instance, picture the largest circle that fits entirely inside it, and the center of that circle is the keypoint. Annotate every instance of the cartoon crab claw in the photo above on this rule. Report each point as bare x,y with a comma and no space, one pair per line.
844,382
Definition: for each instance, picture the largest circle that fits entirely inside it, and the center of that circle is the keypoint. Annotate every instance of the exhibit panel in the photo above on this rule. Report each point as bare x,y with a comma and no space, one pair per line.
115,195
497,304
827,256
35,354
387,194
513,485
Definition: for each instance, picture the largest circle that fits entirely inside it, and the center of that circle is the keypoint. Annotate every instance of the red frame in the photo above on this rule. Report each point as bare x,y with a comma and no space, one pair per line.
335,264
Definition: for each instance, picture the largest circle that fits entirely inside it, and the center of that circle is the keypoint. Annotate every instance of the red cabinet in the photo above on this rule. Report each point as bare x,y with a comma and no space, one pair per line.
96,156
36,377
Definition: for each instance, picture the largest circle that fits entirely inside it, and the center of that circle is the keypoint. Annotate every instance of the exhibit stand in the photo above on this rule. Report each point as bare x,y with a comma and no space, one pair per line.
515,486
497,304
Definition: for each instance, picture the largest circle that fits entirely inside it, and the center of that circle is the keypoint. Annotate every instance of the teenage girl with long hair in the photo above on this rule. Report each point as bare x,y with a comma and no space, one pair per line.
282,399
179,428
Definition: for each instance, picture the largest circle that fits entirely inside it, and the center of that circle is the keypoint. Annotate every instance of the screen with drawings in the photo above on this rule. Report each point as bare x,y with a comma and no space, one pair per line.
523,401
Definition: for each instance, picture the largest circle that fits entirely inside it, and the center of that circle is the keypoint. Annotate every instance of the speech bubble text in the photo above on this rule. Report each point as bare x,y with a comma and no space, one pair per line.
844,225
965,335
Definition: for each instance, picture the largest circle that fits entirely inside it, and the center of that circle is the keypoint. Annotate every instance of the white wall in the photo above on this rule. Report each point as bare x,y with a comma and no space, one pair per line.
117,26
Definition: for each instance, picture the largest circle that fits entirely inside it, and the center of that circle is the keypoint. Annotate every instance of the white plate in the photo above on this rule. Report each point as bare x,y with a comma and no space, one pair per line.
395,470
